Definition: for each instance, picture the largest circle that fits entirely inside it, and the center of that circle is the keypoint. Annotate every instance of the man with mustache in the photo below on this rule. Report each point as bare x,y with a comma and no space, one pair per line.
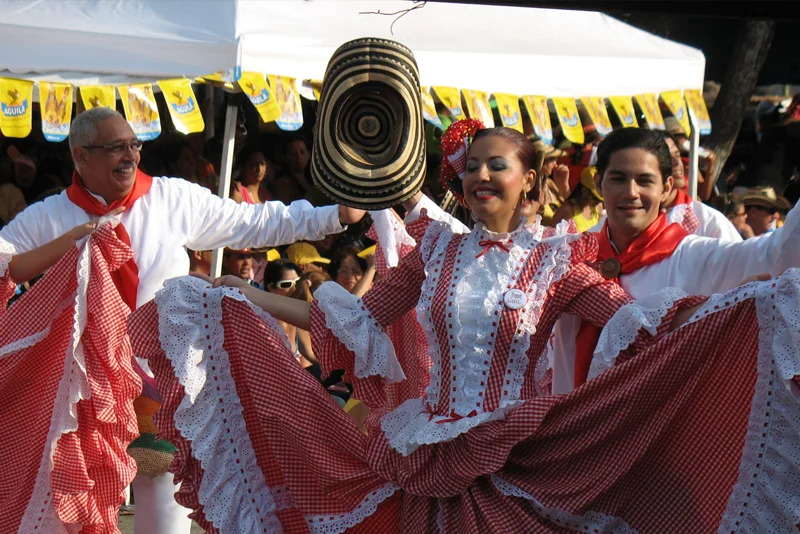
158,218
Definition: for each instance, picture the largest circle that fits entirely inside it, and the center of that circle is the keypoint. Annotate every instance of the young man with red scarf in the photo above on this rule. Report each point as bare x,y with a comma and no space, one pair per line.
644,252
158,219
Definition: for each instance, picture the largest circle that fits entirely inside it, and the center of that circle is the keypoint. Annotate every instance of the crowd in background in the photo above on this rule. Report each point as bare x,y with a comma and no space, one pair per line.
273,165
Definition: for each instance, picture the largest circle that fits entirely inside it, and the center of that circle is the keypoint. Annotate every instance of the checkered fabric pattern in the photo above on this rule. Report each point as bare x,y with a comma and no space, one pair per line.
91,468
654,444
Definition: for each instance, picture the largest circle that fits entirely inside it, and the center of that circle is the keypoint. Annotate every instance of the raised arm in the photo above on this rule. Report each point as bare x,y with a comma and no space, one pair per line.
217,222
720,266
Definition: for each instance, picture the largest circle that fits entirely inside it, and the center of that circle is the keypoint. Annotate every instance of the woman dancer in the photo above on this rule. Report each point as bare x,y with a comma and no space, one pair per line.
483,450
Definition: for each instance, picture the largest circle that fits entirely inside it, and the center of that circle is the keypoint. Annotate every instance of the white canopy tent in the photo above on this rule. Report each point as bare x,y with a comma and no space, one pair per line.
488,48
523,51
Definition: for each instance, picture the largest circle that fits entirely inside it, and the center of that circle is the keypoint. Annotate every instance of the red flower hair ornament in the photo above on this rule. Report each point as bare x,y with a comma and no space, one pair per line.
455,149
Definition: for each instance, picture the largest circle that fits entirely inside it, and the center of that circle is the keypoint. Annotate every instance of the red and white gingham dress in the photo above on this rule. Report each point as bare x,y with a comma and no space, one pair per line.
68,387
695,431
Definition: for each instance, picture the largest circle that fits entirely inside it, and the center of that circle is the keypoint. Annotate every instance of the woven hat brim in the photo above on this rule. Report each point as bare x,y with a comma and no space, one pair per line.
369,149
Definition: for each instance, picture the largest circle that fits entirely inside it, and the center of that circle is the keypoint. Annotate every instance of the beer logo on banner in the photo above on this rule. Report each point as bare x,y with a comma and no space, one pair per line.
15,107
624,109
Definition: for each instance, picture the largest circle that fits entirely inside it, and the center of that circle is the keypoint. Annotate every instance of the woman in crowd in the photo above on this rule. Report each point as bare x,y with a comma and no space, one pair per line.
352,272
584,205
249,186
281,278
294,183
737,215
483,450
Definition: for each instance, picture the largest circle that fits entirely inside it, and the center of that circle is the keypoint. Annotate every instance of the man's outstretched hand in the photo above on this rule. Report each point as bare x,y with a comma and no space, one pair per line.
350,215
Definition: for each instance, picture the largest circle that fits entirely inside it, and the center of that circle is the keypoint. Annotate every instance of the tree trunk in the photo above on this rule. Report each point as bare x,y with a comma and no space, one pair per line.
741,76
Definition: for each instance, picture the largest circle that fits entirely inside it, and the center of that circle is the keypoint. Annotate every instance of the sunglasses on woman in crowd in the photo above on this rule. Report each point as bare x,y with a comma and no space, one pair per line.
286,284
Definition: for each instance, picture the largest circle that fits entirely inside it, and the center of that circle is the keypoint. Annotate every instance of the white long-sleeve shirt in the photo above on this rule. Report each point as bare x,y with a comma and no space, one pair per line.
699,266
173,215
713,223
436,213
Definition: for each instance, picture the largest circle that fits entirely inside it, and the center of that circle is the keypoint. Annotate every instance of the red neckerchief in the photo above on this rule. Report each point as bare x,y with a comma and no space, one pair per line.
682,198
126,278
656,243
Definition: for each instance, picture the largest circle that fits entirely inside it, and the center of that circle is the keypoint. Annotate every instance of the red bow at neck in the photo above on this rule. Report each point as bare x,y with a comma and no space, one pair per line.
487,245
126,278
656,243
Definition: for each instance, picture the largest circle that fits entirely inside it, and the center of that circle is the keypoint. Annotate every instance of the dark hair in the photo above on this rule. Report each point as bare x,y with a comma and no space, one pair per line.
523,149
294,138
174,152
340,255
244,155
732,206
624,138
275,269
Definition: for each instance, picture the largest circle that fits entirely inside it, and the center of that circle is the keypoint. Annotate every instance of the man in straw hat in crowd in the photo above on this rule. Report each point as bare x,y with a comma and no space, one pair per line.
158,218
762,206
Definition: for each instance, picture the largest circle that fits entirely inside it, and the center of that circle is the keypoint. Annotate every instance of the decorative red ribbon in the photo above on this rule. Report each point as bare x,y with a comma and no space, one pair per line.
453,415
126,278
656,243
487,244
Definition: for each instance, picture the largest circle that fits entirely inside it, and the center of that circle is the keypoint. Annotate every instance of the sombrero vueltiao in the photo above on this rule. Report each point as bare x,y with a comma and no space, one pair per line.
369,139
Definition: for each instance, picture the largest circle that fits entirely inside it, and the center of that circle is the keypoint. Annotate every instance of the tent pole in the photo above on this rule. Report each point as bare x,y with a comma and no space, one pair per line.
226,170
694,149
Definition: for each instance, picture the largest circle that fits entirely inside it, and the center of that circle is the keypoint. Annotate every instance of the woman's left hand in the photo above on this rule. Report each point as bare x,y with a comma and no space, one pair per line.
228,280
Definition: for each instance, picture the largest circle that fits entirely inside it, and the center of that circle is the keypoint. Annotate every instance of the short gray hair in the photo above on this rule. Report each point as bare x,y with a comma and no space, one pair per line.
83,130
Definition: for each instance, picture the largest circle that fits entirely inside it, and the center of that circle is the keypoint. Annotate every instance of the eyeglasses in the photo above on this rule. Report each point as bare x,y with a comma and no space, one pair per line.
345,272
286,284
117,149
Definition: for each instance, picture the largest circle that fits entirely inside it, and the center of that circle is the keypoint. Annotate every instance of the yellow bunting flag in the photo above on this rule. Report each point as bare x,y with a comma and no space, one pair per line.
98,96
596,108
429,108
451,98
652,114
478,106
288,99
540,117
182,105
698,110
255,87
677,105
570,121
316,88
141,110
15,107
508,108
623,105
56,105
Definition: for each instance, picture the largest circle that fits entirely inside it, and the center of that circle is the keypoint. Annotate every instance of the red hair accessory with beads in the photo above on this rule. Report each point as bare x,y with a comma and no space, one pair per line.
455,148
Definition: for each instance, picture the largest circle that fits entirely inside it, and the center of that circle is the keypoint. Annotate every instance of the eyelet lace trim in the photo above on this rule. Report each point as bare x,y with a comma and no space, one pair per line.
433,265
350,321
7,251
410,425
192,336
555,263
334,524
72,388
588,522
766,498
624,327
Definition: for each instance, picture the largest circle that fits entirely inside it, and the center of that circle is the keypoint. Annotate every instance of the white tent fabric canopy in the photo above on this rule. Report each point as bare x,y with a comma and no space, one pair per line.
495,49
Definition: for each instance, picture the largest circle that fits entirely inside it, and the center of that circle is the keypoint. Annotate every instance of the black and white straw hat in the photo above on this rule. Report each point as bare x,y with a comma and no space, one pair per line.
369,139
